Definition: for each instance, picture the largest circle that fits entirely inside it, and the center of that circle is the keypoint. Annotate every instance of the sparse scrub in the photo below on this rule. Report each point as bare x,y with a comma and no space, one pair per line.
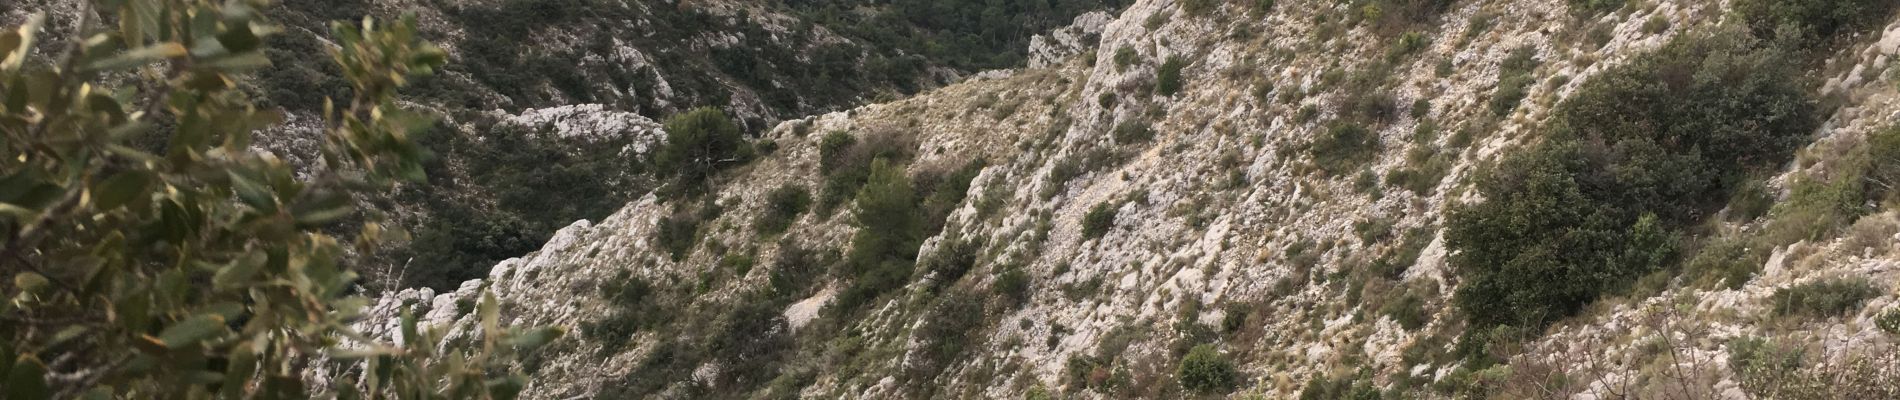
1344,147
1099,219
782,207
1514,80
1823,298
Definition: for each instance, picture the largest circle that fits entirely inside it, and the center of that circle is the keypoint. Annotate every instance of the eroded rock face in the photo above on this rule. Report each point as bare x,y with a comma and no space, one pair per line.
1056,47
1218,212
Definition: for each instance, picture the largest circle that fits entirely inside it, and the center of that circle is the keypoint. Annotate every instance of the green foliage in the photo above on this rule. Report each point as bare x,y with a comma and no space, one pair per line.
1340,388
965,34
1260,8
1592,7
1133,132
1125,57
1889,321
889,230
700,143
1822,298
1099,219
202,267
846,162
1726,263
1206,370
1514,79
1168,78
946,332
502,192
782,206
1408,310
1012,286
679,232
1812,21
1761,364
632,306
1199,8
954,258
1344,148
1638,154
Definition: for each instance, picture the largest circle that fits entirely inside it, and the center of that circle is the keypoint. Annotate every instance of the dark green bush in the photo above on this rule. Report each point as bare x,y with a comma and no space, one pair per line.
1344,148
1125,57
1638,154
632,307
1889,321
698,144
947,331
890,228
1168,78
1340,388
1726,263
1012,286
846,162
1206,370
1133,132
954,258
782,207
1813,21
1762,364
1514,80
501,191
1260,8
1199,7
1590,7
1822,298
1408,310
1099,219
679,231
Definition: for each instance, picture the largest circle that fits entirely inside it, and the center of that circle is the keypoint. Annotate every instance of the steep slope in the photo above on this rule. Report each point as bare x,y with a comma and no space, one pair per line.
1271,181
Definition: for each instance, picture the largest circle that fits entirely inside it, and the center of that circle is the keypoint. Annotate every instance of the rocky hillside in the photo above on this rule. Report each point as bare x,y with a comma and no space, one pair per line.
1363,199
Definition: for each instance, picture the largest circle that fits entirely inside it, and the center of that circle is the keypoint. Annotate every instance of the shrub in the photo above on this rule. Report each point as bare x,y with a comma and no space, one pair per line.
1889,321
1726,263
1133,132
698,144
1408,311
1814,21
1198,7
1822,298
1883,165
1343,148
1588,7
1125,57
954,258
831,150
1013,287
782,206
947,331
846,163
1514,79
1168,78
1262,7
1099,219
1761,364
631,308
678,232
889,230
1206,370
1635,156
1344,388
